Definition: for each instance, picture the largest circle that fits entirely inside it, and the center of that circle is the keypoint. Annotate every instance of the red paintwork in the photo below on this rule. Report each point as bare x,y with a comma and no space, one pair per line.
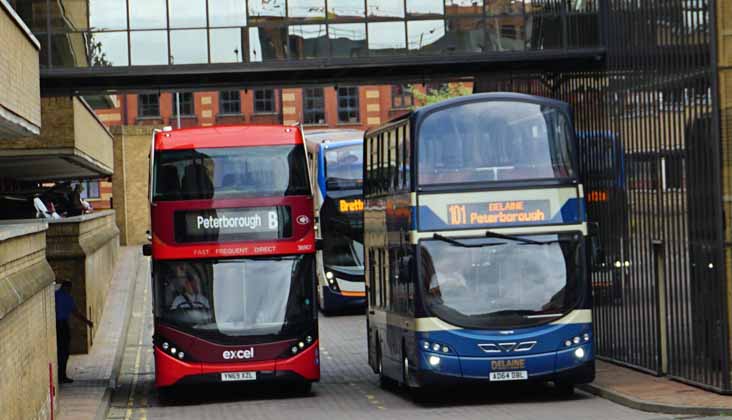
170,370
164,246
208,352
227,136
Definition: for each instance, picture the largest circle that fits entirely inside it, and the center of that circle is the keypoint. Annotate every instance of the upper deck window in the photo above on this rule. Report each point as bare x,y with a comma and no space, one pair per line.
262,171
494,141
344,167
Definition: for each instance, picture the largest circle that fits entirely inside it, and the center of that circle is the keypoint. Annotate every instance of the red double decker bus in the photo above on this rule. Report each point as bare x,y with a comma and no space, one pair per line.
233,245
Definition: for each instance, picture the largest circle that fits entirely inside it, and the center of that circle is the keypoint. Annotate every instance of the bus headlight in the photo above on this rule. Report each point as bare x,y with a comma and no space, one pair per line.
181,355
329,275
434,361
579,353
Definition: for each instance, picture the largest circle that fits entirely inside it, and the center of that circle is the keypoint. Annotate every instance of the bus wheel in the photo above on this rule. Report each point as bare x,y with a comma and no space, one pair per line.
385,382
564,389
304,388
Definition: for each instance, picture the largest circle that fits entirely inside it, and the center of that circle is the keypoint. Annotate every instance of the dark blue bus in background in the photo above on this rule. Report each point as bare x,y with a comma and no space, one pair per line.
336,169
603,175
477,245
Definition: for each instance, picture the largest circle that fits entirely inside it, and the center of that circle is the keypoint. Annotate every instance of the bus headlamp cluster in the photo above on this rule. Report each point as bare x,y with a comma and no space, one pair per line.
436,348
172,350
579,352
332,282
300,345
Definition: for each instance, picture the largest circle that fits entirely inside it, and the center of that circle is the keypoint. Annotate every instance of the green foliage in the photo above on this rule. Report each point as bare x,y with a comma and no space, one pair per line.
445,91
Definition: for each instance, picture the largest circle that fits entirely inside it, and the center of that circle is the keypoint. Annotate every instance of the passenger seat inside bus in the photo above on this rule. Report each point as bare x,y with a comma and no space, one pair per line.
169,184
196,182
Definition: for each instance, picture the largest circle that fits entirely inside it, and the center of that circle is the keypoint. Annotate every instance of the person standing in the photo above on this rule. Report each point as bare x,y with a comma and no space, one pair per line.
65,307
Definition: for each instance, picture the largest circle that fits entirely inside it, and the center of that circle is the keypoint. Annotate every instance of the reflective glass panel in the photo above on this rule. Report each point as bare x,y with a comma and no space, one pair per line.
386,38
347,39
188,46
226,45
69,50
343,9
34,14
308,41
227,13
385,8
306,9
466,35
108,49
107,14
427,35
495,141
506,33
187,13
425,8
267,44
149,47
504,7
494,283
464,7
147,14
266,8
226,301
69,15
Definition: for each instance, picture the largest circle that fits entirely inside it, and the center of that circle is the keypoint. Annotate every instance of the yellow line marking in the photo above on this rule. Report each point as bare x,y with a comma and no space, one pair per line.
133,387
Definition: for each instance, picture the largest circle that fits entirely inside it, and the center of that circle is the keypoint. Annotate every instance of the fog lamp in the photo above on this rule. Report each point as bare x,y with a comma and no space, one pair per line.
434,361
579,353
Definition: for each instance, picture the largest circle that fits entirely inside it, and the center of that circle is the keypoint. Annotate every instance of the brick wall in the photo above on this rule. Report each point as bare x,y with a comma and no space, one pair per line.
20,86
27,325
84,249
130,183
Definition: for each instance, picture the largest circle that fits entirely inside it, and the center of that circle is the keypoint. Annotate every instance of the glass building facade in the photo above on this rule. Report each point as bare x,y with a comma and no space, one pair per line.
120,33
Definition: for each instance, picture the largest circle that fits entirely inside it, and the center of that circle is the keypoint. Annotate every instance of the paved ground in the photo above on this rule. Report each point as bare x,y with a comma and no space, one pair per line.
348,389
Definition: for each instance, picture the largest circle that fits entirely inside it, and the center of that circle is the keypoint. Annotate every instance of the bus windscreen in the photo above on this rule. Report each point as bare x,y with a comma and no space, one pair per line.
344,167
494,141
219,173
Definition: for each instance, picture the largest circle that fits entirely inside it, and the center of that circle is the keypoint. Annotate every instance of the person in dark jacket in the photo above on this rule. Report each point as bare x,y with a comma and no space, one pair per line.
65,307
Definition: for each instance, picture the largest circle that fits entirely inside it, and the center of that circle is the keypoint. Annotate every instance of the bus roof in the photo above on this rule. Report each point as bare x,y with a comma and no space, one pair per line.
335,138
418,114
227,136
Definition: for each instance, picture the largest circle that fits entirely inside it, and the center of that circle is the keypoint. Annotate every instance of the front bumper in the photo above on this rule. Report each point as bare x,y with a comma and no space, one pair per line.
334,301
304,366
560,366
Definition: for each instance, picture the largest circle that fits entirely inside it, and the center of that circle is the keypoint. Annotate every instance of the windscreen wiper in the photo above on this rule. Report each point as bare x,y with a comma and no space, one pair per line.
462,244
491,234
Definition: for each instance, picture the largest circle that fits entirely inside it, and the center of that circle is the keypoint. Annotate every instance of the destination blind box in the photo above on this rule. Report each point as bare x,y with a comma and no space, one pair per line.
233,224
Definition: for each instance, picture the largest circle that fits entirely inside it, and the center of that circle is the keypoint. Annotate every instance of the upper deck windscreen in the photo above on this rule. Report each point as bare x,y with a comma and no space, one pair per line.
231,172
344,167
494,141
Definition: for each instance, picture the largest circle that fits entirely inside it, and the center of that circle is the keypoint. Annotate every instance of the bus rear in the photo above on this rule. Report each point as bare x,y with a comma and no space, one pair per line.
233,266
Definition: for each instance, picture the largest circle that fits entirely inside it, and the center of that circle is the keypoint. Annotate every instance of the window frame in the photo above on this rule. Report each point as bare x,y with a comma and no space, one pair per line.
142,105
265,100
228,102
352,93
395,94
306,111
192,102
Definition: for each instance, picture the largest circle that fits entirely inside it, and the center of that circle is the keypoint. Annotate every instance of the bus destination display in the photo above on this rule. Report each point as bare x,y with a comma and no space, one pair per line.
350,206
232,224
498,213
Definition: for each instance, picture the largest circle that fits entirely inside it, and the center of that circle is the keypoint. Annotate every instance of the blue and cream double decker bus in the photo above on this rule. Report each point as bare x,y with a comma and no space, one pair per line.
336,169
477,245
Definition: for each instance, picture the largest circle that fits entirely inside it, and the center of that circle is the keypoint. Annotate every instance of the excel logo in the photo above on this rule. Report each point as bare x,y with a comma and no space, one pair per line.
239,354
